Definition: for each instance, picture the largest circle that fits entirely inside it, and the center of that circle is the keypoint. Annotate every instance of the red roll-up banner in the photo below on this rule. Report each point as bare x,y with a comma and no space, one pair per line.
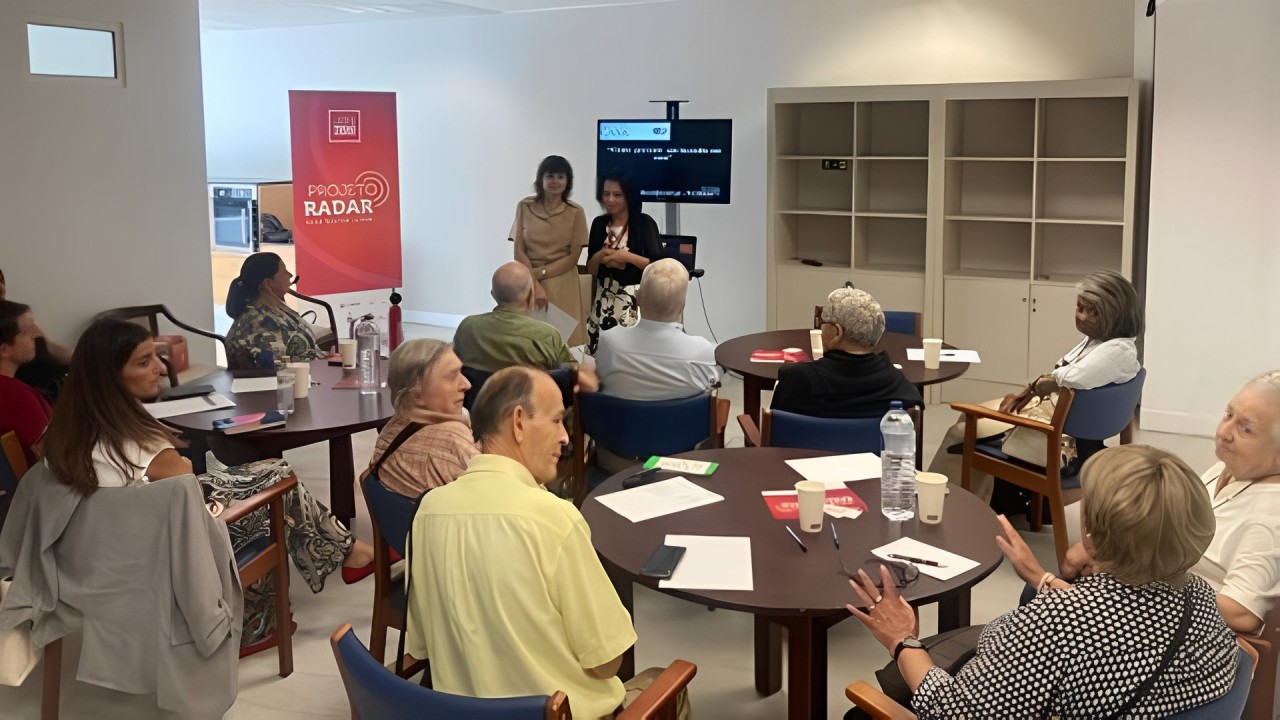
346,190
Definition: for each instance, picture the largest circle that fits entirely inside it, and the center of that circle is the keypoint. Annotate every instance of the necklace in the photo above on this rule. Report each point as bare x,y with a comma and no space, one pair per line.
1237,494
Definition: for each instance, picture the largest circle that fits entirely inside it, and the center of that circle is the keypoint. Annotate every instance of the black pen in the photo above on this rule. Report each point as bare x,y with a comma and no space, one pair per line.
796,537
917,561
641,478
834,537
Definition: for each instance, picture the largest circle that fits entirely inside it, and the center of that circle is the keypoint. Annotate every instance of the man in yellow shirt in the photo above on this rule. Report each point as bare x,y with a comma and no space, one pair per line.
508,596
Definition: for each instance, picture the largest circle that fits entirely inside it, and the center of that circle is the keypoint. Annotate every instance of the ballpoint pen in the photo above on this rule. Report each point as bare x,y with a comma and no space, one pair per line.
834,537
917,561
796,537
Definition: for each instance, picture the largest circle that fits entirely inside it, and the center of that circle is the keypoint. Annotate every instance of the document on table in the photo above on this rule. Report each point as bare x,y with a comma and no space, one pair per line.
563,322
950,563
658,499
253,384
711,563
836,470
965,356
169,408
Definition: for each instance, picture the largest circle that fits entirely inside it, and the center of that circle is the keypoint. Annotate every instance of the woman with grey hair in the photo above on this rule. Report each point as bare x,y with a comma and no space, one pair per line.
1142,637
852,379
427,387
1109,315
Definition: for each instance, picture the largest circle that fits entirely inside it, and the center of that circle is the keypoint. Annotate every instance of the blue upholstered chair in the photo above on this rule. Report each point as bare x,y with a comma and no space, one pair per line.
392,516
565,377
779,428
895,321
1095,414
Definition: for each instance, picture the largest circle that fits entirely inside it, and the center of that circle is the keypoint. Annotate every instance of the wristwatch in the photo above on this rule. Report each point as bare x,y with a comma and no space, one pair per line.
908,643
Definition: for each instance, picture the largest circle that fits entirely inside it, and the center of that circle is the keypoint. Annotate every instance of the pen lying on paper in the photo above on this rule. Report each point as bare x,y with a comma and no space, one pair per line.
796,537
918,561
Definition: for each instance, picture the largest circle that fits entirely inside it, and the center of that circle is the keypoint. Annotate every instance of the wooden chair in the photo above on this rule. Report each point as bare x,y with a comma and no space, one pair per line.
1262,694
13,465
895,321
326,342
1095,414
392,517
375,692
152,313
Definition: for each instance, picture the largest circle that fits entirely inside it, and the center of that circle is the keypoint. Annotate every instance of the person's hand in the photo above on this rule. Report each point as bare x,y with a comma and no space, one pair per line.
1078,562
1014,402
616,259
539,296
1020,556
887,615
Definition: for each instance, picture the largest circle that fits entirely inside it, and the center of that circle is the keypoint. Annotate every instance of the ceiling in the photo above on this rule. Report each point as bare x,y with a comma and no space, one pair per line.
251,14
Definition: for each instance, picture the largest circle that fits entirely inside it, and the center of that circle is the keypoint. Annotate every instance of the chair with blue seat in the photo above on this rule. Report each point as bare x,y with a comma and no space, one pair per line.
1096,414
392,517
566,377
779,428
895,321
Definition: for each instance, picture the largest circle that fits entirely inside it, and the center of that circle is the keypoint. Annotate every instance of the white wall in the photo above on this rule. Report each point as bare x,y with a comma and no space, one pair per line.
102,184
1214,263
482,99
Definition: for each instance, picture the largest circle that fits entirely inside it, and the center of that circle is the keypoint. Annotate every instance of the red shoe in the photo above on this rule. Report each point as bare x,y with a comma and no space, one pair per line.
271,640
353,575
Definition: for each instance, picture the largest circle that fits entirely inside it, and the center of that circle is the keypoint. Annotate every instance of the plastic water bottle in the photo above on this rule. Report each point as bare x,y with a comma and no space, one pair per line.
368,353
898,464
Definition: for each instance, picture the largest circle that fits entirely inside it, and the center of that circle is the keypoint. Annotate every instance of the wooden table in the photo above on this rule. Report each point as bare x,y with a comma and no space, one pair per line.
735,355
801,592
326,413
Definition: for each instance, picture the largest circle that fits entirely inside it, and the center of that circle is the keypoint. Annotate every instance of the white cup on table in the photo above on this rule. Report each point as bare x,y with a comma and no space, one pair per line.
931,494
811,495
347,348
932,353
301,378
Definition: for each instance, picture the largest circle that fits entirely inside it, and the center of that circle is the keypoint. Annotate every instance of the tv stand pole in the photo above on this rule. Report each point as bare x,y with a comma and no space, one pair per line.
672,224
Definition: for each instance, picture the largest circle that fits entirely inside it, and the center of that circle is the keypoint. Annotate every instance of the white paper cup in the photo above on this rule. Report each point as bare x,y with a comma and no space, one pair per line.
284,391
347,348
815,344
931,494
812,495
301,378
932,353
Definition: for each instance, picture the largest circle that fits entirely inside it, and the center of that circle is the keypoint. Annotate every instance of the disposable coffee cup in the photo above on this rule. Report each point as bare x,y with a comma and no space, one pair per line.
931,494
812,495
347,348
284,391
815,344
932,353
301,378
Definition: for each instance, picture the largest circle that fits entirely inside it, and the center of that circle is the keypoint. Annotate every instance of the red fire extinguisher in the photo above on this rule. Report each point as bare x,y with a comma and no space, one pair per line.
396,332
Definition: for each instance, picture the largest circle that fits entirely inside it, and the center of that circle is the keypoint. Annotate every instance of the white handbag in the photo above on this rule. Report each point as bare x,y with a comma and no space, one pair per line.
1026,444
18,655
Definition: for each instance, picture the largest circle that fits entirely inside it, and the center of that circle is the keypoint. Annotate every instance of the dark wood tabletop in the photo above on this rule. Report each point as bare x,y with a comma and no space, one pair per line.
735,355
799,591
326,414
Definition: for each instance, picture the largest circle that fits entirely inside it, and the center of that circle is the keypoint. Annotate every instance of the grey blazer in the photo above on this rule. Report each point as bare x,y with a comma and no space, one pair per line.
145,570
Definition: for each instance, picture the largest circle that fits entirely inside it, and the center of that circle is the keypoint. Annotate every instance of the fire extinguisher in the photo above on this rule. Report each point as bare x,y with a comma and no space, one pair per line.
396,331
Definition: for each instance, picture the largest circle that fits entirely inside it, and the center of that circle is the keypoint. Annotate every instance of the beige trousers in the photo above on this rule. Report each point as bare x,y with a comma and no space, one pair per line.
980,484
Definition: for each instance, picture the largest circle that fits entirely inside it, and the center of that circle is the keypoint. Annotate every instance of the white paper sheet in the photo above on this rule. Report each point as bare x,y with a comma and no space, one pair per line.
563,322
836,470
169,408
965,356
952,564
658,499
253,384
839,511
711,563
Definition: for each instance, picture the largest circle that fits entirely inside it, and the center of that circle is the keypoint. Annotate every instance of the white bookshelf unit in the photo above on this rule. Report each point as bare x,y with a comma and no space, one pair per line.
978,205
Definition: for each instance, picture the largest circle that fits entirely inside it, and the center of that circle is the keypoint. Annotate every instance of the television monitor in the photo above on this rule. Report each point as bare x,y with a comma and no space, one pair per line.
682,161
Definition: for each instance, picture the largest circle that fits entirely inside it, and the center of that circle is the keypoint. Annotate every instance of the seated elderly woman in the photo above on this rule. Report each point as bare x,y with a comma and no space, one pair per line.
1242,563
255,301
1087,650
852,379
427,388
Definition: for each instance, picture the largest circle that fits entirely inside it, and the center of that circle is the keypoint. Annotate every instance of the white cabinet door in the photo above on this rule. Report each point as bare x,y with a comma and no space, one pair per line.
1053,326
990,316
800,288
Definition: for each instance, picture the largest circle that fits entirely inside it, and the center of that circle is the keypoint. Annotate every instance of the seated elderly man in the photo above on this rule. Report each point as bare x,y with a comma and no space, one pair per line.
508,596
655,359
852,379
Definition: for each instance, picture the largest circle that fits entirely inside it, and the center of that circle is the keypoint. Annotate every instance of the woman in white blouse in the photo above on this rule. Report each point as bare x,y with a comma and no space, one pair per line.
1242,563
1109,315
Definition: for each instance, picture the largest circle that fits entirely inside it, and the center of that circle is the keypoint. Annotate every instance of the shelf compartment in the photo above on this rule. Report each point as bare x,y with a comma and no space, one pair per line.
991,128
1081,191
1066,253
825,238
817,129
900,186
987,249
989,188
889,244
893,128
804,185
1084,127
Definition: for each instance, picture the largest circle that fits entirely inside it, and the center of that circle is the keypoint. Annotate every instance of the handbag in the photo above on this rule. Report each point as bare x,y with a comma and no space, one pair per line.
949,650
18,655
1026,444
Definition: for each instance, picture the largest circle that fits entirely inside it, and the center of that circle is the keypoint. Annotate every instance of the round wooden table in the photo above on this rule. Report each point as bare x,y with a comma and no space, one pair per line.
735,355
326,414
801,591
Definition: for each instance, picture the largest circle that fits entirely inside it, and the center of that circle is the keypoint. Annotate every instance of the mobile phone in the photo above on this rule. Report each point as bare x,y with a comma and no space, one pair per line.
187,391
662,562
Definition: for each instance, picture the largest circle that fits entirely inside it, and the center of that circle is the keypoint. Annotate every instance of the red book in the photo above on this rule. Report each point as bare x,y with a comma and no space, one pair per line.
784,505
779,356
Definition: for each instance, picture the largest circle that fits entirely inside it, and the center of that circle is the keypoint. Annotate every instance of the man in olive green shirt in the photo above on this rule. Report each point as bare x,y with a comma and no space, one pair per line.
507,336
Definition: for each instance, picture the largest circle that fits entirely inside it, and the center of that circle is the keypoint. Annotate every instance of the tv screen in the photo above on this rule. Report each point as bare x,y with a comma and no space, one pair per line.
683,161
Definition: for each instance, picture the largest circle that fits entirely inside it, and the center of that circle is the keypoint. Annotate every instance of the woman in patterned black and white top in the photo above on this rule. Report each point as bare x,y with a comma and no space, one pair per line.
1085,651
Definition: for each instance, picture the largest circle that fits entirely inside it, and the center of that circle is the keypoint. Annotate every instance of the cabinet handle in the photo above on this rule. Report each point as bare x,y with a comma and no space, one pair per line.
1024,299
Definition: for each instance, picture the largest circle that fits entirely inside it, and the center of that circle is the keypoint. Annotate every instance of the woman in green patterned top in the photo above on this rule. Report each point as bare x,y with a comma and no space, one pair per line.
255,301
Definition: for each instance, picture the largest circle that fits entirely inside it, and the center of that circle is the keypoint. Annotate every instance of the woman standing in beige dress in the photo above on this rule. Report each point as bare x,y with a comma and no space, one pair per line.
549,233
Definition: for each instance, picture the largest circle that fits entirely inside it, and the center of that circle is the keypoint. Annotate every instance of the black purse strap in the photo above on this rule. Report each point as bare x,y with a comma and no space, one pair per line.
1165,661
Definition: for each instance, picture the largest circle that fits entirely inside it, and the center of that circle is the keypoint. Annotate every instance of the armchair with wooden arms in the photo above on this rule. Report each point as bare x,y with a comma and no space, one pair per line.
779,428
895,321
392,517
13,465
1262,694
152,313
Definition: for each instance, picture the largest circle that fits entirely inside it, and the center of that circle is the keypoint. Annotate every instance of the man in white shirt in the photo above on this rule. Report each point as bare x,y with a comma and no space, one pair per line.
655,359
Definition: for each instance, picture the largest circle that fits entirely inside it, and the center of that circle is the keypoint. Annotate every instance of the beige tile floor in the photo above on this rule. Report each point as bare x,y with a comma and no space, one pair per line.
718,642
